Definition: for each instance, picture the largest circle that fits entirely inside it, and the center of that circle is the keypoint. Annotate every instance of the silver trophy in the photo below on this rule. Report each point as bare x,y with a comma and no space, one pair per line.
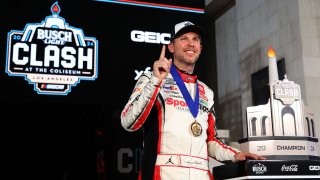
284,128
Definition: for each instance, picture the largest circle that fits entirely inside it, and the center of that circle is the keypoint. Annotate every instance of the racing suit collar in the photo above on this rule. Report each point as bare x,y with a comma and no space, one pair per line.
186,77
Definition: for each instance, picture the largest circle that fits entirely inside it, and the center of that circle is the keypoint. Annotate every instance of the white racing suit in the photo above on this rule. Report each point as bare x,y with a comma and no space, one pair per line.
170,149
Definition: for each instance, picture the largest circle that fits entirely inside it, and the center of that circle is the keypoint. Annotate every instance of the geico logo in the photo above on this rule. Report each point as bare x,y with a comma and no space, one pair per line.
67,57
314,168
150,37
176,102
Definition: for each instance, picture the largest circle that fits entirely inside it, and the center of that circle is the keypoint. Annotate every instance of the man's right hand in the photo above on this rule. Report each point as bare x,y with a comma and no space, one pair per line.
161,67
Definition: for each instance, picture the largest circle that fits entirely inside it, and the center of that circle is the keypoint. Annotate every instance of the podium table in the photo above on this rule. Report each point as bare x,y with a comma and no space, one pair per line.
268,169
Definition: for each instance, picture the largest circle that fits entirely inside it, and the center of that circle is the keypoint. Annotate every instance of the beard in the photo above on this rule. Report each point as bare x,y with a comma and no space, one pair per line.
187,60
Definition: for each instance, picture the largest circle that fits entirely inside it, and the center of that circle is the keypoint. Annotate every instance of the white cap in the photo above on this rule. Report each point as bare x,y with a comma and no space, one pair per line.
184,27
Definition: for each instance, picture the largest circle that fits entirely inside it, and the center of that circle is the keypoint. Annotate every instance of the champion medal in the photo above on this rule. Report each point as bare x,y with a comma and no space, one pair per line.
196,129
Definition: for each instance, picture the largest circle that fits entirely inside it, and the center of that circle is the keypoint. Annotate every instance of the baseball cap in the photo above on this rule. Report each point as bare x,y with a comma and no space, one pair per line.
184,27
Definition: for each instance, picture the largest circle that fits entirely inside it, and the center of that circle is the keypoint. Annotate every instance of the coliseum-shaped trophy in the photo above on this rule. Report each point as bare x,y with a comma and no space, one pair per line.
284,128
283,131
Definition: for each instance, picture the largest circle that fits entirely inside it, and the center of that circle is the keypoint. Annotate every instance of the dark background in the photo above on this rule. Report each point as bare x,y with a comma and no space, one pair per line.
61,137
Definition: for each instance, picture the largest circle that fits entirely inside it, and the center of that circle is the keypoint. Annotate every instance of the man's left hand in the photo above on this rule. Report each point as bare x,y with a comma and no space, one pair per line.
241,156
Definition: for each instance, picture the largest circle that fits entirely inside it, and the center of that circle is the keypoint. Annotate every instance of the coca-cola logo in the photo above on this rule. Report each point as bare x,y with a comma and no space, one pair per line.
289,168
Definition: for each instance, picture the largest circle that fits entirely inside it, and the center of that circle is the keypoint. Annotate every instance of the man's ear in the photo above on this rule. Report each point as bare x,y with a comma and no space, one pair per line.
171,48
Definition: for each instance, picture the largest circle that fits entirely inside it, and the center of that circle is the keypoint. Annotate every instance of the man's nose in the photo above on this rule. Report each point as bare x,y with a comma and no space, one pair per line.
191,42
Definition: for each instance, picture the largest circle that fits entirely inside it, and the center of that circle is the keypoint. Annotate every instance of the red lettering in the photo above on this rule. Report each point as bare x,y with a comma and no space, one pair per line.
176,102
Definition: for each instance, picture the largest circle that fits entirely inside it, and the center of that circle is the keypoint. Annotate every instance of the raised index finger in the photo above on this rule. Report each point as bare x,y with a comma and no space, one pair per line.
163,52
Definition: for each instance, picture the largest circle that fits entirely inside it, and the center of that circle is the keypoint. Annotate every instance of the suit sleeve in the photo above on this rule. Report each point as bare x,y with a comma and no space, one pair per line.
216,148
140,102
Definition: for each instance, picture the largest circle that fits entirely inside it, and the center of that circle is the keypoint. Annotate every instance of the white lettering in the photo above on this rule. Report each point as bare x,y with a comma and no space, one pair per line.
33,56
54,35
139,73
17,48
51,53
150,37
82,58
69,61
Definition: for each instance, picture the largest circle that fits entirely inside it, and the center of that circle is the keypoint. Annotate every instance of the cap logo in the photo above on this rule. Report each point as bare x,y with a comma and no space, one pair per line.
188,24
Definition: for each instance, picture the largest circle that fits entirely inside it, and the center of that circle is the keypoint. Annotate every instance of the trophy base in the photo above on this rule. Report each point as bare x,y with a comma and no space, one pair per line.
282,147
268,169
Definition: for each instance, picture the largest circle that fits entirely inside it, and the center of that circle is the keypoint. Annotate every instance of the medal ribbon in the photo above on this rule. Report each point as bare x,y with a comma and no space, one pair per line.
193,105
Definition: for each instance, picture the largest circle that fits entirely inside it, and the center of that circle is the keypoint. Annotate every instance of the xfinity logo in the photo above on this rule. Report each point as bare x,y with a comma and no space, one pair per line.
150,37
139,73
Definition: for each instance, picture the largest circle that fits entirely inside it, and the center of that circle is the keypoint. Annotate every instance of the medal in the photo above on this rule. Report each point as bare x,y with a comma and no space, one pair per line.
196,128
193,105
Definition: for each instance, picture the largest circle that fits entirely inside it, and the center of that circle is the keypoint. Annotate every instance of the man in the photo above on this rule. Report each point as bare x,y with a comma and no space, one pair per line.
176,112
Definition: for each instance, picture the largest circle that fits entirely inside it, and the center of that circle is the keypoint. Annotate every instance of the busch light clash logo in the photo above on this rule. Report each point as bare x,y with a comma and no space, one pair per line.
52,55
